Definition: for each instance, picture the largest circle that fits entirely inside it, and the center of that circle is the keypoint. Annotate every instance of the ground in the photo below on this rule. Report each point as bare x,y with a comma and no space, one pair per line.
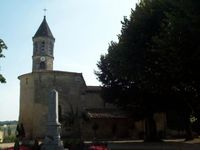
175,144
6,145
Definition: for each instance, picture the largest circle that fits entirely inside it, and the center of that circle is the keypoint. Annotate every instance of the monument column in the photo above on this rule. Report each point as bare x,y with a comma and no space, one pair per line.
52,140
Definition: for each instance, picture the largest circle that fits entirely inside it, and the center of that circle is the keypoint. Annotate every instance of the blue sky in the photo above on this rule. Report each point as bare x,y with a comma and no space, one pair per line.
82,29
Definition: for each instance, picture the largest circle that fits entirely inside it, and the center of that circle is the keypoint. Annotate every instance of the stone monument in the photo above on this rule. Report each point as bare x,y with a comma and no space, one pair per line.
52,140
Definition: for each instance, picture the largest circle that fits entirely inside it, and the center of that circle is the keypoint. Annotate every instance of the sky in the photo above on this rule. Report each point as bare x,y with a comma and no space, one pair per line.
83,30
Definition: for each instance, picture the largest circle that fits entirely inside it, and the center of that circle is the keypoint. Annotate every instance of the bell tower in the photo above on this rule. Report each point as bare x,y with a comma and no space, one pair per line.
43,46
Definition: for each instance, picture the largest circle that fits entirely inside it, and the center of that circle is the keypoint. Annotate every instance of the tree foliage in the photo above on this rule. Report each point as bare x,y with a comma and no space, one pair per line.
126,72
154,65
2,46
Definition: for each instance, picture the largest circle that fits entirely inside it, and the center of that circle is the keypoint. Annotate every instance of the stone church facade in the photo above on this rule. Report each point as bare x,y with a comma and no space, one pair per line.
73,94
35,86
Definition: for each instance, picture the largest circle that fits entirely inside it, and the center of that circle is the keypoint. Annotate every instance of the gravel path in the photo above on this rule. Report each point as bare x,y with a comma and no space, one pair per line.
6,145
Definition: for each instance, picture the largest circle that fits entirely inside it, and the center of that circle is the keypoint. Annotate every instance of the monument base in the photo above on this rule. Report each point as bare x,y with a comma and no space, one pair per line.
52,143
52,147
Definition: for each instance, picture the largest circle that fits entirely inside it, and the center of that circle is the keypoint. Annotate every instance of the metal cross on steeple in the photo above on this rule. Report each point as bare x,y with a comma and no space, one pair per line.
45,10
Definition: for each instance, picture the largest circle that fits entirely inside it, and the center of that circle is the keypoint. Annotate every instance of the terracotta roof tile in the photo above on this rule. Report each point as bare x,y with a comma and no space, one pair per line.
105,113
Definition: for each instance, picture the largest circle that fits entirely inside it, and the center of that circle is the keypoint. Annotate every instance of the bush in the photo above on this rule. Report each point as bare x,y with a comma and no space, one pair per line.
9,139
71,142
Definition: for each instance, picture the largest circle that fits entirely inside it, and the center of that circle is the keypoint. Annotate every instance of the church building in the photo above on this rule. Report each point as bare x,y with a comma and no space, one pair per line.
35,86
74,96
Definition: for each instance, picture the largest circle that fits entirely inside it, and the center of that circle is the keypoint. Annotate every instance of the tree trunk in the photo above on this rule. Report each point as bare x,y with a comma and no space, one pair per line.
188,129
150,129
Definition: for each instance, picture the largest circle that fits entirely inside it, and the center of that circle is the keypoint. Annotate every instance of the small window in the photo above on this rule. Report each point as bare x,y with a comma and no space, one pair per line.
42,65
51,48
26,80
42,46
35,47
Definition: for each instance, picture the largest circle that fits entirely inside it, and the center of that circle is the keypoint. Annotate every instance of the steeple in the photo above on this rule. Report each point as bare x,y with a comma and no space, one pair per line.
43,45
44,30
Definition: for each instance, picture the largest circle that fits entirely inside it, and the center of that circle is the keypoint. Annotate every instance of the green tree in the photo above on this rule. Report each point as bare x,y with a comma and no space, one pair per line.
2,46
177,46
16,145
72,122
95,127
125,71
153,67
9,131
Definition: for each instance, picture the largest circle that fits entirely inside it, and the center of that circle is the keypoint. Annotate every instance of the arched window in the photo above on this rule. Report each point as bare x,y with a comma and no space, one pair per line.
42,65
51,48
42,47
35,47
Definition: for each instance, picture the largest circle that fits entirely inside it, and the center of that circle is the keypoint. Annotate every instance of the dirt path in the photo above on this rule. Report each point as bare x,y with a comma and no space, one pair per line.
6,145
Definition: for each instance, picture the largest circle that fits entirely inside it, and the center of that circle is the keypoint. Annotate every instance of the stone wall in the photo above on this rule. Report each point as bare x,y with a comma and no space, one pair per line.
26,102
92,98
1,136
120,128
109,128
34,89
73,94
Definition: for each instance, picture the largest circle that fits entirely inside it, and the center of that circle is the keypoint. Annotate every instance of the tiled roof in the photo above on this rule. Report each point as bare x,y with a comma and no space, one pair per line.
93,89
105,113
44,30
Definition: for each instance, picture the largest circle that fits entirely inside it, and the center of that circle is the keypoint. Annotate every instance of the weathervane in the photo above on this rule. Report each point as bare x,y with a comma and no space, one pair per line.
45,10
